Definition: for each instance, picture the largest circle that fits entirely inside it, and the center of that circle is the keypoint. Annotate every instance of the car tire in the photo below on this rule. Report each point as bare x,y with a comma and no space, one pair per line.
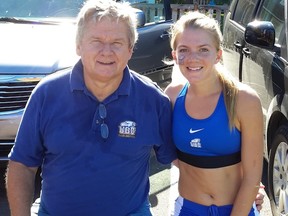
278,172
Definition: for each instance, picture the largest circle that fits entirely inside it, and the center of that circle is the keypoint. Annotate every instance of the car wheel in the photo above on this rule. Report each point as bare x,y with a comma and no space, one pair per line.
278,172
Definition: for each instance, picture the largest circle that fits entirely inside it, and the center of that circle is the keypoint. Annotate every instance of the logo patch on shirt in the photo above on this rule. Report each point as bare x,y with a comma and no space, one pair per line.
191,131
196,143
127,129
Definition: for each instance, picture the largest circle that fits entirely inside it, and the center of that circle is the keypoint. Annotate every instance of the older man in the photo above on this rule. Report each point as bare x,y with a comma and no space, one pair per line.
92,129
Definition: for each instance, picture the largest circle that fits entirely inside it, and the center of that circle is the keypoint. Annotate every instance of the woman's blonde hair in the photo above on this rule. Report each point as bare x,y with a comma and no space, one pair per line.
197,20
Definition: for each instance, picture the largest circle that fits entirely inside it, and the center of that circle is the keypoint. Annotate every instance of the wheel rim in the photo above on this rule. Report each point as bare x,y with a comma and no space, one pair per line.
280,177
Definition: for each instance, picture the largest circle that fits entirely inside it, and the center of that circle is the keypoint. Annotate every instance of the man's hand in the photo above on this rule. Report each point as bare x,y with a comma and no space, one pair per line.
259,199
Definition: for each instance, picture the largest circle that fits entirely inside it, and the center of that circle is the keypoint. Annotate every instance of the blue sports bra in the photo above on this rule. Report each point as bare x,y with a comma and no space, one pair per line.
205,143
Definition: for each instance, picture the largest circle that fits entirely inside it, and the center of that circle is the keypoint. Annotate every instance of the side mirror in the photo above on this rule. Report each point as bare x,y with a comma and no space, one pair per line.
141,19
261,34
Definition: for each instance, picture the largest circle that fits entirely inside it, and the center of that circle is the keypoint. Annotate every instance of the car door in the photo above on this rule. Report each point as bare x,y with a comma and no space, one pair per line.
263,69
152,48
240,13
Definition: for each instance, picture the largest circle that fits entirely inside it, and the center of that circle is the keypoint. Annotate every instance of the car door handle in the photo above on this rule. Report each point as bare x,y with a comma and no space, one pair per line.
246,51
164,35
238,45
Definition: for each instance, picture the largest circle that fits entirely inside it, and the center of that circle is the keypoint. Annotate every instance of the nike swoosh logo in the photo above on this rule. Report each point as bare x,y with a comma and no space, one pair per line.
191,131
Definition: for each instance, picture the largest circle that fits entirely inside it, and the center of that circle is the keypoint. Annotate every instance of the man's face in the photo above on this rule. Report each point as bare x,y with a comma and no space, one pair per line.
104,49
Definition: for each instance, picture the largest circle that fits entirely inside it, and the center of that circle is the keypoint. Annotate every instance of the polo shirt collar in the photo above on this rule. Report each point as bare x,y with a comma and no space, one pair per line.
77,80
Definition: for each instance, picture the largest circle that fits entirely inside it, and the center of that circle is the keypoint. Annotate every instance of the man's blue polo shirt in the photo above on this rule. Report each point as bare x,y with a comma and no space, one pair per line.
84,174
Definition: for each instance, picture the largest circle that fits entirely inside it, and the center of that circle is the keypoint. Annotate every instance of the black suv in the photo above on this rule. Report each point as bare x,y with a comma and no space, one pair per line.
255,51
37,39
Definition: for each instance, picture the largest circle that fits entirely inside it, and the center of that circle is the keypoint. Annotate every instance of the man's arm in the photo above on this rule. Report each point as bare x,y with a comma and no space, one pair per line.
20,187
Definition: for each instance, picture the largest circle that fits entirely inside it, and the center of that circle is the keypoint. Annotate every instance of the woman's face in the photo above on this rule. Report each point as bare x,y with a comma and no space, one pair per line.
196,54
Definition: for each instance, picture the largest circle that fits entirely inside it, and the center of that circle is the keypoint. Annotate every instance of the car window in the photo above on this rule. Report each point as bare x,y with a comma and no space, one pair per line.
244,11
273,11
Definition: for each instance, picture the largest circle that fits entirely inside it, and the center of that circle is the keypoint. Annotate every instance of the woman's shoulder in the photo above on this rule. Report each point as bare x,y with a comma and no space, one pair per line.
247,93
172,90
248,99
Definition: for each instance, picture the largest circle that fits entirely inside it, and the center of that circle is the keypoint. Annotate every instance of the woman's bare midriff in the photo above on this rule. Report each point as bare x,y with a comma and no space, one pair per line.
209,186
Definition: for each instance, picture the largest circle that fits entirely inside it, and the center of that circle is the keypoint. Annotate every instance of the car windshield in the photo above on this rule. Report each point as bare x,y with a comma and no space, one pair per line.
42,9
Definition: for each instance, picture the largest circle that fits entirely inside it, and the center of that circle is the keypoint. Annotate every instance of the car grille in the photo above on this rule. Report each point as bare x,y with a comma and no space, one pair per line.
15,91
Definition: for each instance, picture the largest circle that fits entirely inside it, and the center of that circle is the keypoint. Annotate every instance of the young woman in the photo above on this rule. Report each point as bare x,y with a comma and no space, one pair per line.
217,126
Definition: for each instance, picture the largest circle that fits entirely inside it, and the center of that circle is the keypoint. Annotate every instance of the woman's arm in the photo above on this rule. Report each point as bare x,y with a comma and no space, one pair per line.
250,119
